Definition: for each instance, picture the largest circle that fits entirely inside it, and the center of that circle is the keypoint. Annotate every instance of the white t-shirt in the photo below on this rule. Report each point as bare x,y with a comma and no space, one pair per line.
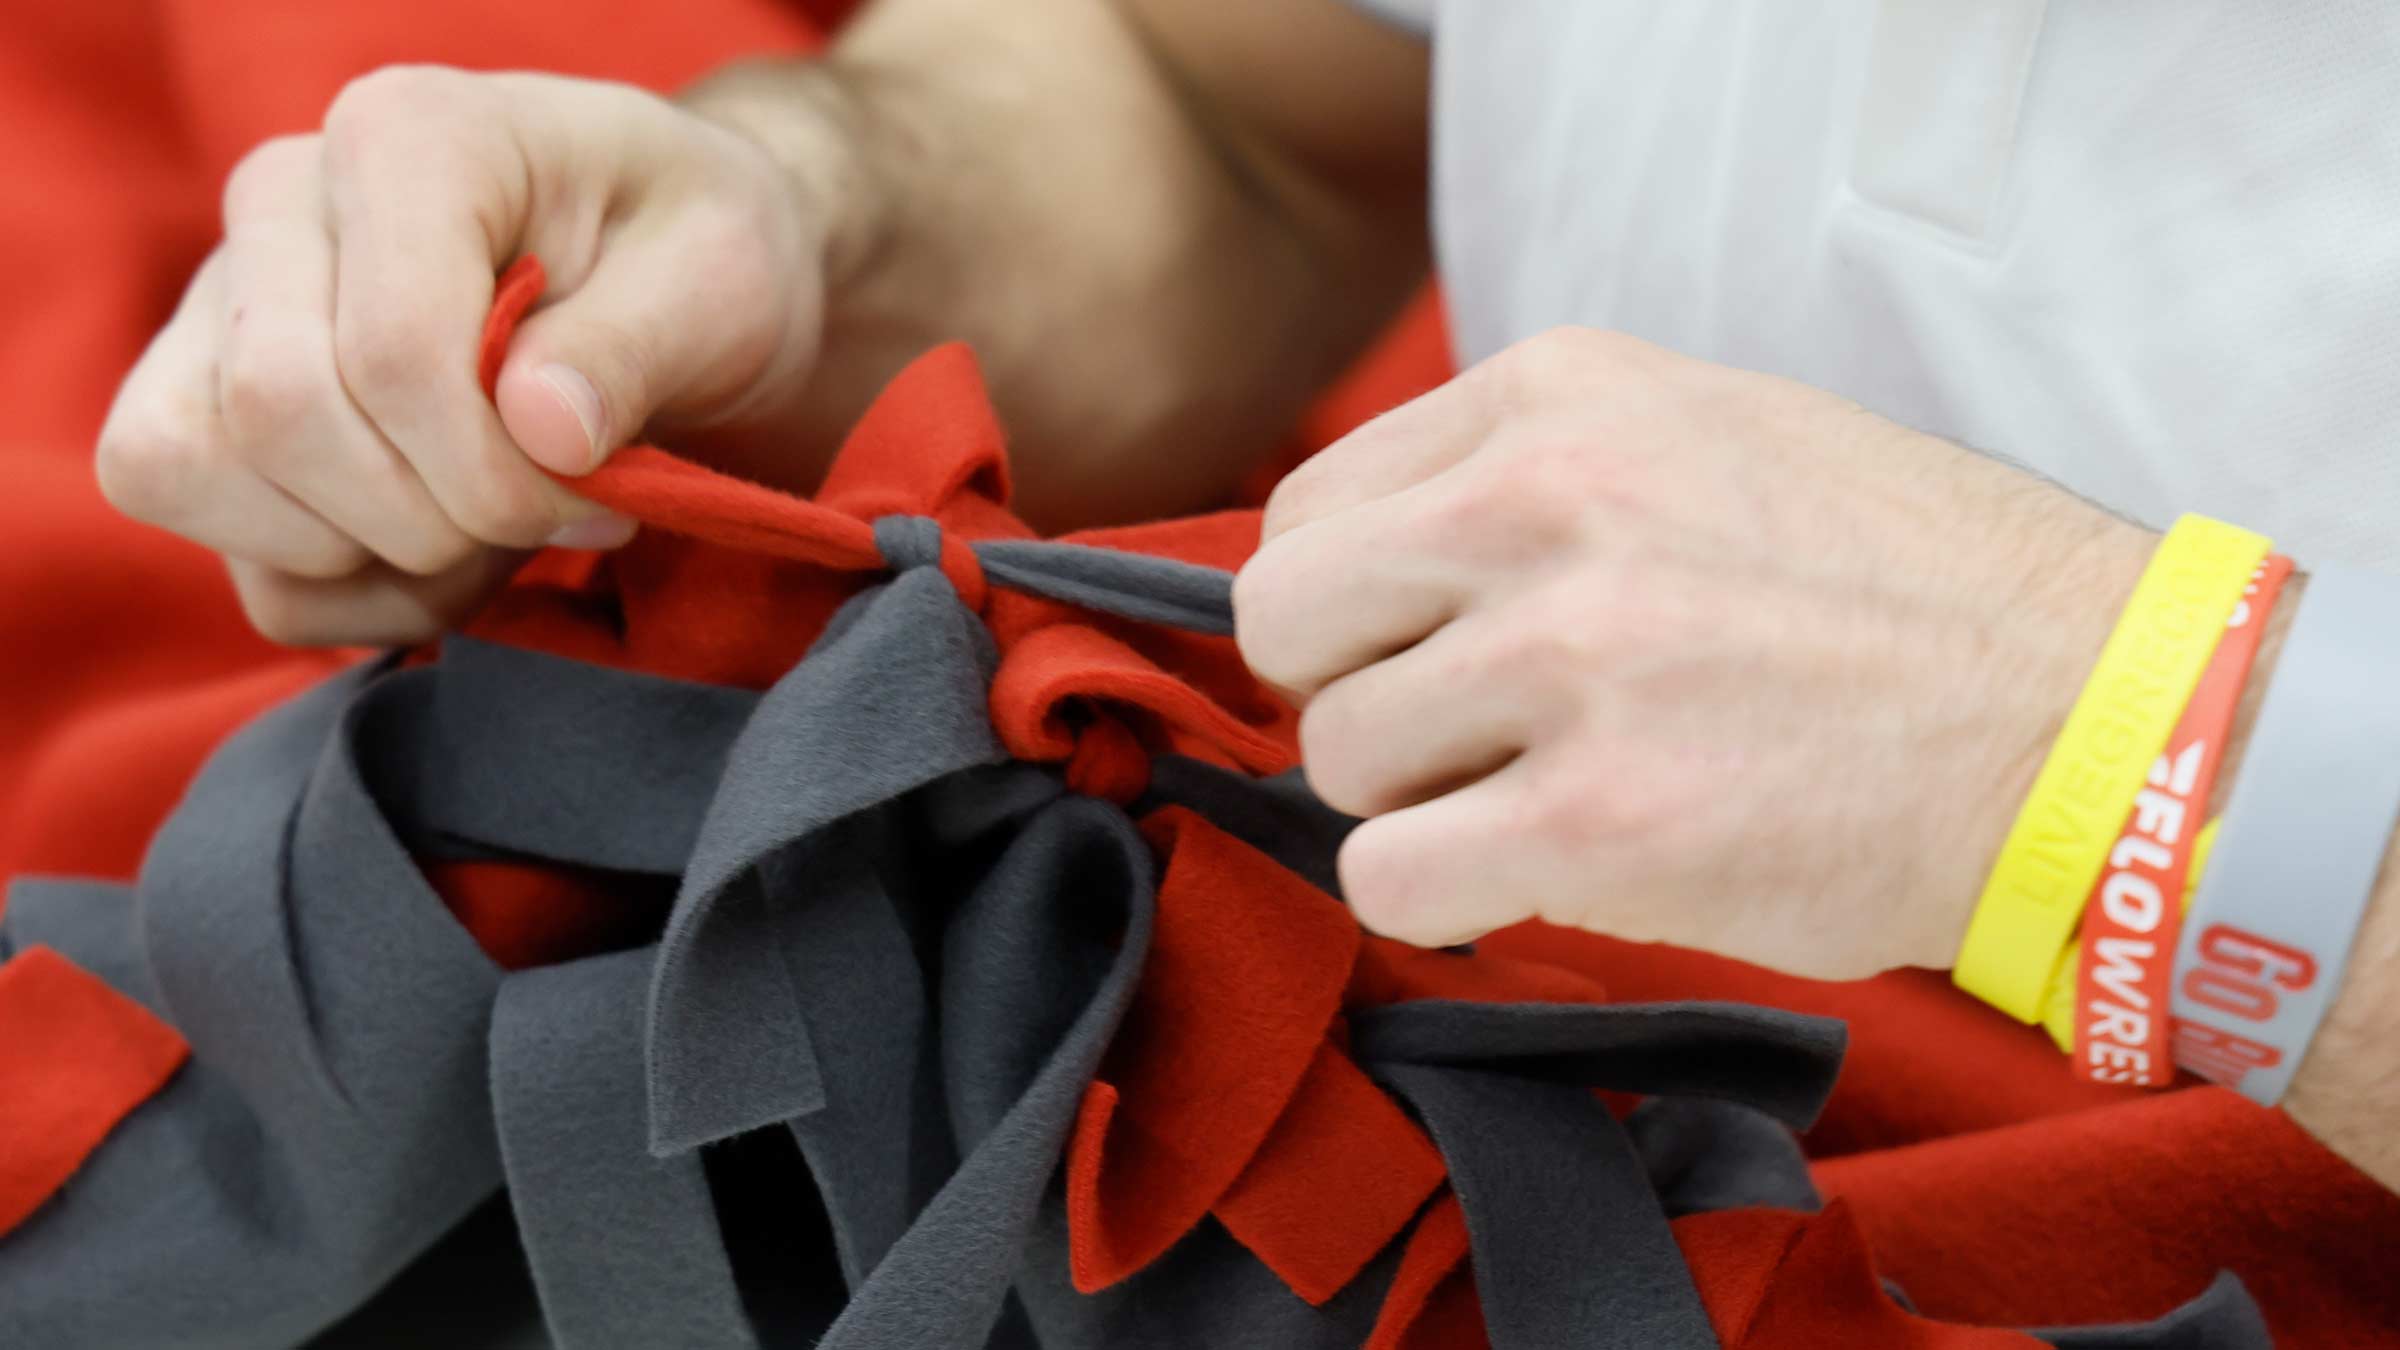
2150,248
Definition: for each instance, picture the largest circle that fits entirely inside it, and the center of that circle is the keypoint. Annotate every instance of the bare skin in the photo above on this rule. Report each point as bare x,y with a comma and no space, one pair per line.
1776,669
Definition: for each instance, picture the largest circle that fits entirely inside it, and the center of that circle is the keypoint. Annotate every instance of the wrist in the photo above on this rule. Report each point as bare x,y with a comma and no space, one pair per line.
844,144
812,126
2347,1090
2058,620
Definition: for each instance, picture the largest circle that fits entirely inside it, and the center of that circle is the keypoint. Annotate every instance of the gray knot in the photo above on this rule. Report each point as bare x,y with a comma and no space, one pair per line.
909,541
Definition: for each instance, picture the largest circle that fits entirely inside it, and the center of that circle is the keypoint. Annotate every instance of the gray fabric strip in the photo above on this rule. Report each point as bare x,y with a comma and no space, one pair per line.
332,1122
856,977
891,698
944,1283
1111,581
858,845
215,917
1278,816
1705,1155
91,923
1570,1245
2223,1317
1130,585
624,1246
526,753
1778,1062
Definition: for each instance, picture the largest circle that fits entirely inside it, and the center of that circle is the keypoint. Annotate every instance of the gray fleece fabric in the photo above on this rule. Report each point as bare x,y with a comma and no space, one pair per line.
826,1102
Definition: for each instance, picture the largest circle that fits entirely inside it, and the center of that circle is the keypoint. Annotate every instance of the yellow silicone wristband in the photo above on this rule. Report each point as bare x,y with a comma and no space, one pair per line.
2058,1001
2145,675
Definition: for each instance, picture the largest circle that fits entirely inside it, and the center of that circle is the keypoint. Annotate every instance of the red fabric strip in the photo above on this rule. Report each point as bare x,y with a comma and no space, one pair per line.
1223,1028
1436,1249
75,1057
1336,1180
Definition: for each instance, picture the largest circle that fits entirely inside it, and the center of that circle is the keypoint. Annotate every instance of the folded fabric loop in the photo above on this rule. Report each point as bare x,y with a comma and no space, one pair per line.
1569,1244
1705,1155
1078,866
1555,1191
1782,1063
869,1144
1197,1100
891,699
2223,1317
213,895
500,757
623,1246
333,1119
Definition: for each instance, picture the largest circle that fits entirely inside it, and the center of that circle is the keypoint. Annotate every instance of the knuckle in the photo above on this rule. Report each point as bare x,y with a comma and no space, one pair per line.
276,607
1573,346
386,357
274,376
1581,815
1526,498
1536,369
1558,468
1519,647
430,551
1292,501
1260,629
392,97
1385,889
1329,749
269,164
1373,880
326,558
505,508
732,237
145,474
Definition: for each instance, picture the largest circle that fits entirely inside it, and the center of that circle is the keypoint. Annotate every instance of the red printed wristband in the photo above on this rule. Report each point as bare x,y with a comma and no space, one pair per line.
2133,920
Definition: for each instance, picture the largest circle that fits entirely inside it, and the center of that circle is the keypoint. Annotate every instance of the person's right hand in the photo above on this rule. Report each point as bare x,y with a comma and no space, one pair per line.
312,411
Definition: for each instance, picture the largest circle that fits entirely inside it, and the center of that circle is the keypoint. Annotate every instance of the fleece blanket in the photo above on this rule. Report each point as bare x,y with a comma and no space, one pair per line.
1961,1162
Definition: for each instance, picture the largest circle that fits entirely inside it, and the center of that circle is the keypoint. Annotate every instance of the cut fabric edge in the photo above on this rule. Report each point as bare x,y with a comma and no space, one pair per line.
76,1057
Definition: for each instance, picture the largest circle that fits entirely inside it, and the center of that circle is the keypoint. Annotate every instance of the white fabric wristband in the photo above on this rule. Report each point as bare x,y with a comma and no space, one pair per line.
2305,834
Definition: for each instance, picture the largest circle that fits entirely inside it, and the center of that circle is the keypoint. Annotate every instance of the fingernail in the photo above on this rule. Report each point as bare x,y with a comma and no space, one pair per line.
582,400
604,531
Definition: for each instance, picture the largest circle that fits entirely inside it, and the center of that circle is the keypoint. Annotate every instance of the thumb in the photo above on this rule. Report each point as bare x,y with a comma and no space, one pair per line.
648,330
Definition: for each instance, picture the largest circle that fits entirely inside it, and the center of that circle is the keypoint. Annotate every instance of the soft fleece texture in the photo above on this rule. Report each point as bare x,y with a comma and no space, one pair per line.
364,1074
1983,1180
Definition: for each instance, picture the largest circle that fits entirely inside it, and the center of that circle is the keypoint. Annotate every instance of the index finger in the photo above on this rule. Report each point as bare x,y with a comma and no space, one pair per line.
1387,455
425,191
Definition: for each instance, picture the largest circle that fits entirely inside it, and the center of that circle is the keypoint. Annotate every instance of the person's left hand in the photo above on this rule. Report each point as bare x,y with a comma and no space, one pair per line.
1608,636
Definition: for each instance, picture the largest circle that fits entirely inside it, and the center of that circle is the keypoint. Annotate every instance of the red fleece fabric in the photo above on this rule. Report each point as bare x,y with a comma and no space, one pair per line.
1979,1173
1245,973
75,1056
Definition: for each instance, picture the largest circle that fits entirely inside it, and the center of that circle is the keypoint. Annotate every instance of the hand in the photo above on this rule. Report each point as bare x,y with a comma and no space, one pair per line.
312,411
1610,637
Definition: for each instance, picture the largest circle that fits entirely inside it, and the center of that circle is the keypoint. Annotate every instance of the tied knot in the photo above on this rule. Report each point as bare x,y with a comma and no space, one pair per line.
920,541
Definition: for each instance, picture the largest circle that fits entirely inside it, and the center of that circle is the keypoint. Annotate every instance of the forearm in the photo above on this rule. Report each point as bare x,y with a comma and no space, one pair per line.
1159,250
